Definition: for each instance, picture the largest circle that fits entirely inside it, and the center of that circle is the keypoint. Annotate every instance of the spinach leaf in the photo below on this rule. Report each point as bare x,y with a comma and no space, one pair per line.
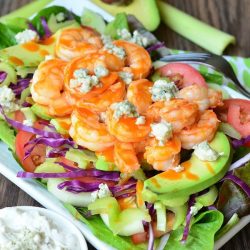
232,199
201,235
7,36
47,12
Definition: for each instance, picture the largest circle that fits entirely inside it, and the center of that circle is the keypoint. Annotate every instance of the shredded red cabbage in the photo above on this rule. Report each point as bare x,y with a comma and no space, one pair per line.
191,202
121,188
20,86
151,209
150,238
238,143
104,175
240,162
3,76
47,31
156,46
56,152
237,181
20,126
211,208
125,195
26,104
76,186
51,142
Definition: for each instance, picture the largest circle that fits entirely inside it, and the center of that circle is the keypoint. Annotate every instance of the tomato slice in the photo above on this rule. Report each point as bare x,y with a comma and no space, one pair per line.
239,119
189,74
139,238
237,113
36,157
19,116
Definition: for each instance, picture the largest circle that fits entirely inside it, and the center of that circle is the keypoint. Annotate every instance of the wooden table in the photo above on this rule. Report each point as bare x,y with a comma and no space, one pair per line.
231,16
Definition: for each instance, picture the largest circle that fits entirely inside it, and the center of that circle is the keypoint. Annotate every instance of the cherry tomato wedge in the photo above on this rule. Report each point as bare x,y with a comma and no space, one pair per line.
19,116
189,74
237,113
36,157
139,238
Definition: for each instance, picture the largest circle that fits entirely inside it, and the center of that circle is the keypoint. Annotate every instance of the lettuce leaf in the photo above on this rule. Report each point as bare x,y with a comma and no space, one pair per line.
201,235
47,12
101,231
7,134
232,199
7,36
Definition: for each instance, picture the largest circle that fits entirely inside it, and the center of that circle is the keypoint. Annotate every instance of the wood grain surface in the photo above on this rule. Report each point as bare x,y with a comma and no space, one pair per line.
232,16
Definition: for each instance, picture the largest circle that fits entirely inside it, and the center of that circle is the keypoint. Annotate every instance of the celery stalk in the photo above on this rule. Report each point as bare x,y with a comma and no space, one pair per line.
27,10
195,30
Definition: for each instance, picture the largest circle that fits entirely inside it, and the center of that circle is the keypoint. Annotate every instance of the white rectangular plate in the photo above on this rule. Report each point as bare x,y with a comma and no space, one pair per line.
9,167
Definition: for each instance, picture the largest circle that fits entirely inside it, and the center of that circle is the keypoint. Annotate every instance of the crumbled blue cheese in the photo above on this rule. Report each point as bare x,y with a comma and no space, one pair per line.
162,131
111,48
140,120
178,168
124,34
7,99
60,17
28,122
26,36
84,81
102,192
49,57
163,90
137,37
101,71
205,153
127,77
124,108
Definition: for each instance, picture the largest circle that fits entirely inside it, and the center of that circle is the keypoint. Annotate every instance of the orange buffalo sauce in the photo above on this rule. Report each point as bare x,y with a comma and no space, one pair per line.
209,167
16,61
31,46
48,41
139,188
43,52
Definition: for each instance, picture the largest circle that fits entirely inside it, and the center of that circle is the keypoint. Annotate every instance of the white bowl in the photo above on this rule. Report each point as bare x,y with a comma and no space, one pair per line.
58,220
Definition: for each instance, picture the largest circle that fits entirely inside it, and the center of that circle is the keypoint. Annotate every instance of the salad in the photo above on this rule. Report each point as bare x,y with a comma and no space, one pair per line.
142,155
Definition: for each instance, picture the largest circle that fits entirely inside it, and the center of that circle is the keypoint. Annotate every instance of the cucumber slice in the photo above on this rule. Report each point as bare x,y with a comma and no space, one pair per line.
93,20
41,111
11,74
25,93
161,216
79,200
180,215
209,198
29,115
55,26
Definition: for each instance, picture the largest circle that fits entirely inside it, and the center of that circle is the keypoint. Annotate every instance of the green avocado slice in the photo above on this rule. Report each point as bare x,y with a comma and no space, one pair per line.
30,54
198,175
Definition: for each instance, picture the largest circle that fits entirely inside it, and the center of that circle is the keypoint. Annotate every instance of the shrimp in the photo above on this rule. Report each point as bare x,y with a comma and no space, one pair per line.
125,129
215,98
47,82
87,130
138,59
163,157
75,42
203,130
139,94
125,157
115,93
180,113
196,94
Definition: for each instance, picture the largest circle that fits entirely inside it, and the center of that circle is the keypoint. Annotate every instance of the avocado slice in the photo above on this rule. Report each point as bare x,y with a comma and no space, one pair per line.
62,125
30,54
198,175
102,164
41,111
145,11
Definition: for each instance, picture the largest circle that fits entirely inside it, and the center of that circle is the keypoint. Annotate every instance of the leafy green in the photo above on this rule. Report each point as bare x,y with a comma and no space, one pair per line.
120,22
7,36
47,12
17,24
101,231
7,134
232,199
231,223
201,235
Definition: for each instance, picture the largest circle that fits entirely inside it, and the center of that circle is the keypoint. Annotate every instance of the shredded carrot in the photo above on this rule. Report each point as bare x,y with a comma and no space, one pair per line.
139,187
